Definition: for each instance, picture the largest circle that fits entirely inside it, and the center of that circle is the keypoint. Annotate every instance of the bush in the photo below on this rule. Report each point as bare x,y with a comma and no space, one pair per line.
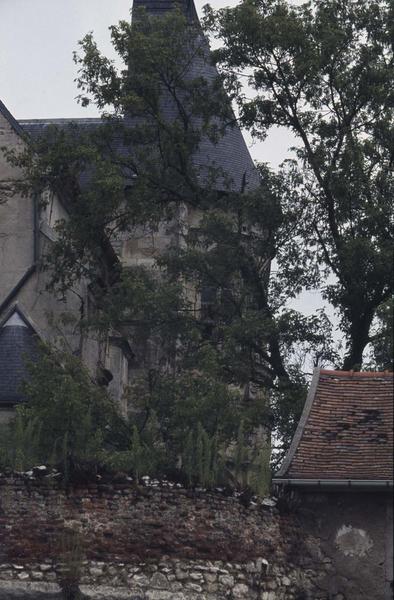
66,420
188,427
20,442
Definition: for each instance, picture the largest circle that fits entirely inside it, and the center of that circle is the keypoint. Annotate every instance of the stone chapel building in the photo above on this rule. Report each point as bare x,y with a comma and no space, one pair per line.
27,310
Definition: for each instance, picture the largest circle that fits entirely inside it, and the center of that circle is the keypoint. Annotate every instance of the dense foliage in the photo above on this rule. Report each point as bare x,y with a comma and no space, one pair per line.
220,355
70,423
324,71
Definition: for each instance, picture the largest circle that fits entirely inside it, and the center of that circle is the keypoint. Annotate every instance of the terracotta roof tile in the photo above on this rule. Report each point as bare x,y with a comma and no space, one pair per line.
346,430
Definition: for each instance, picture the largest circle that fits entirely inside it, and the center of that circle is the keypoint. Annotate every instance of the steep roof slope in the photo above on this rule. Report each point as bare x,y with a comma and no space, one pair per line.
160,7
230,154
346,429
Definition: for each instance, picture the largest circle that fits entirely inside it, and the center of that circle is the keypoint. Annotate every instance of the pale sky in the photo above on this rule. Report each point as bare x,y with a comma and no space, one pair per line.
37,40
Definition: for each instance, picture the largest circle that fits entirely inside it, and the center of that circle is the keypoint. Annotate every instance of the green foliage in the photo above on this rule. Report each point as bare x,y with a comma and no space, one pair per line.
68,420
20,442
240,453
202,460
200,359
180,427
140,459
382,338
260,472
76,417
180,401
249,461
323,70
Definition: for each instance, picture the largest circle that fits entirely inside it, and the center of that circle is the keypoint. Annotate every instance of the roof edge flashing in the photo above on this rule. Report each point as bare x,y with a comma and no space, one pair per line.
301,424
335,483
11,120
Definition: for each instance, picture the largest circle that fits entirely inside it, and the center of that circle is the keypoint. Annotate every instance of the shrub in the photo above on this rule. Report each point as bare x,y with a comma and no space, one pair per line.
188,426
66,420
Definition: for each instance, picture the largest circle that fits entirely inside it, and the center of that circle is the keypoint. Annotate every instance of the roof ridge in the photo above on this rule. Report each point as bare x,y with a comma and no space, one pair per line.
351,373
157,7
62,120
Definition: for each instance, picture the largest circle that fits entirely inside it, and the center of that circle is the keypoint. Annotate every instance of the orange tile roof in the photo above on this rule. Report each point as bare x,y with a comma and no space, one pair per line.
346,429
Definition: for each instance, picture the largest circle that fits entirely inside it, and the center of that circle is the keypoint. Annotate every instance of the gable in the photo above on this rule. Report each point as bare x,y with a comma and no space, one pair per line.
12,122
18,345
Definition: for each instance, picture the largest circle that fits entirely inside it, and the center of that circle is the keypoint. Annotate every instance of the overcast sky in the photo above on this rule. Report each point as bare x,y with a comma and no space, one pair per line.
37,40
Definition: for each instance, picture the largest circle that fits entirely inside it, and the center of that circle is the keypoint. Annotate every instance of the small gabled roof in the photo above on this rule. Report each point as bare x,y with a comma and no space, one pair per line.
18,345
346,430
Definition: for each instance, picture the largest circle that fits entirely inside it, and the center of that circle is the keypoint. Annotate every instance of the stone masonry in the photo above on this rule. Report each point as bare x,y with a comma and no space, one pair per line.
159,541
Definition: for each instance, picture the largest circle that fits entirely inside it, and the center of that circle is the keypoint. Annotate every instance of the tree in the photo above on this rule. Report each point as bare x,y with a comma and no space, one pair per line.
382,338
217,360
324,70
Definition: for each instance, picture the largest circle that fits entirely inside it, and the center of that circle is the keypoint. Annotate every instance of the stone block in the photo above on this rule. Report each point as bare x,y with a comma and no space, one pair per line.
226,581
159,581
240,590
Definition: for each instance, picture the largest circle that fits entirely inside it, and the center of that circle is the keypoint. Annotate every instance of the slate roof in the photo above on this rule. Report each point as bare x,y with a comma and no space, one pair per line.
18,344
159,7
230,153
36,127
346,429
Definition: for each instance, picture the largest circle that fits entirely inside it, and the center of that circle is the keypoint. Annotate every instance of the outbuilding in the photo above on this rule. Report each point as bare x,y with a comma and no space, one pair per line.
339,472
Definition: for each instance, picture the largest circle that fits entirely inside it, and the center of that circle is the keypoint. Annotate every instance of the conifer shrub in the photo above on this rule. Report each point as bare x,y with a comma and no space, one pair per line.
20,442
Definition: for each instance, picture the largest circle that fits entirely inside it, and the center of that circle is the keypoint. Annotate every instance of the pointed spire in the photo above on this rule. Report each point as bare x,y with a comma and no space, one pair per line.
160,7
230,153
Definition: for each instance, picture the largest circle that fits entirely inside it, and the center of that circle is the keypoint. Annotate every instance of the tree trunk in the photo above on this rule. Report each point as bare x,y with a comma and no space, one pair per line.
72,592
359,338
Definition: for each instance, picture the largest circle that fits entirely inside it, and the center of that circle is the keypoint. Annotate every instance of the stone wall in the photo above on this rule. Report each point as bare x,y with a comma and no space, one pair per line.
160,541
355,529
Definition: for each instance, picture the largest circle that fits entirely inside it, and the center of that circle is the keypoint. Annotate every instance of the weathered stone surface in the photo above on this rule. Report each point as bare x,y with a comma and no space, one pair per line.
352,541
169,543
159,581
194,587
95,571
181,575
163,595
45,567
226,580
241,591
210,577
268,596
29,591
